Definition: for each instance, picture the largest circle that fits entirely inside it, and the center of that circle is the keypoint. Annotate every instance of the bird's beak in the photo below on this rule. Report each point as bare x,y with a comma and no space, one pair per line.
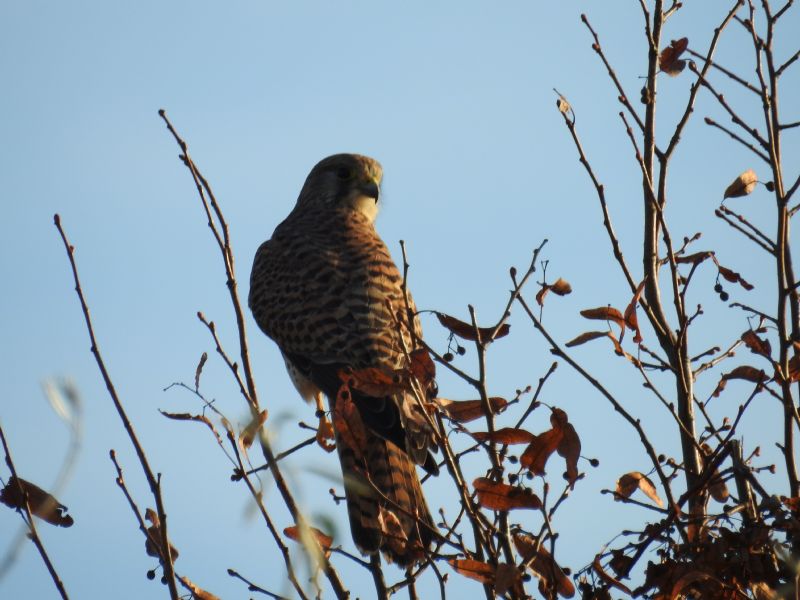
371,189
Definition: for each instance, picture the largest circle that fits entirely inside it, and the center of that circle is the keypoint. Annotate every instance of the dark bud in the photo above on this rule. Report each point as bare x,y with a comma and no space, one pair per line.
718,288
319,414
661,458
151,574
461,350
770,186
512,459
448,356
594,462
512,478
528,475
724,296
164,579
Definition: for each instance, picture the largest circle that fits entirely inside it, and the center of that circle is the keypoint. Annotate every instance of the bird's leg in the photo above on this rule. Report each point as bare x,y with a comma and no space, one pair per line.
325,429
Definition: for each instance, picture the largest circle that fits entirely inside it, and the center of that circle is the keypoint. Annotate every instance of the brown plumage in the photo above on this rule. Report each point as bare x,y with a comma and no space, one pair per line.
324,288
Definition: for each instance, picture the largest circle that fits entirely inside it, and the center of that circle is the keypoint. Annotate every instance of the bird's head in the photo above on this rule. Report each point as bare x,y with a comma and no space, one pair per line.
348,181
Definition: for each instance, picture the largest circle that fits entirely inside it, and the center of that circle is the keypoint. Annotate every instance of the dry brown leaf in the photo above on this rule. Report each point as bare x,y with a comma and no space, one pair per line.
669,60
745,372
570,448
630,482
506,435
474,569
694,259
198,371
539,450
716,485
756,344
467,331
559,287
605,313
41,503
153,543
507,577
250,432
743,185
465,411
495,495
422,367
541,564
198,593
734,277
630,314
325,541
586,336
607,578
347,422
190,417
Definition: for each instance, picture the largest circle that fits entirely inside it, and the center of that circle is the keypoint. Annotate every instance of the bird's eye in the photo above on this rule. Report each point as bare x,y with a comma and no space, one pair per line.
344,173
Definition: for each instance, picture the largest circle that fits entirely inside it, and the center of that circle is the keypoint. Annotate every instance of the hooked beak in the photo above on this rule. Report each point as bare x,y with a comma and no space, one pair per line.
371,189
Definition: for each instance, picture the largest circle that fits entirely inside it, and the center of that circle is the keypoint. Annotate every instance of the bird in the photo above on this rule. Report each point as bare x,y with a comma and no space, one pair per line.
326,290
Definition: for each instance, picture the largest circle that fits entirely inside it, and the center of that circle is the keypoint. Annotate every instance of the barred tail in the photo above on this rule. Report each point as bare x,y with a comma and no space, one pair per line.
385,503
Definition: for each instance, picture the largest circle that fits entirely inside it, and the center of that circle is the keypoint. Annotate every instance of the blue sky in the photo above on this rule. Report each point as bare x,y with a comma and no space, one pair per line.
456,101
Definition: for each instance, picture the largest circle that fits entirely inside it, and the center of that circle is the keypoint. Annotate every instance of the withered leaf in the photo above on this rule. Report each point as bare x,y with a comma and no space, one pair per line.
373,381
743,185
153,543
756,344
743,372
295,534
465,411
630,482
570,448
605,313
559,287
422,367
542,564
607,578
190,417
694,259
669,60
506,435
198,593
41,503
467,331
474,569
794,366
347,422
716,485
250,432
734,277
198,371
507,577
620,563
496,495
630,314
586,336
539,450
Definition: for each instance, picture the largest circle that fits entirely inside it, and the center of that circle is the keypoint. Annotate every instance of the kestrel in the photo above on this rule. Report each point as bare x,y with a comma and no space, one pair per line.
326,290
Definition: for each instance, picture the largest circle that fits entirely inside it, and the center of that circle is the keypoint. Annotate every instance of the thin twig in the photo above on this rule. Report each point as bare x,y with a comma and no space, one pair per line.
28,518
154,484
